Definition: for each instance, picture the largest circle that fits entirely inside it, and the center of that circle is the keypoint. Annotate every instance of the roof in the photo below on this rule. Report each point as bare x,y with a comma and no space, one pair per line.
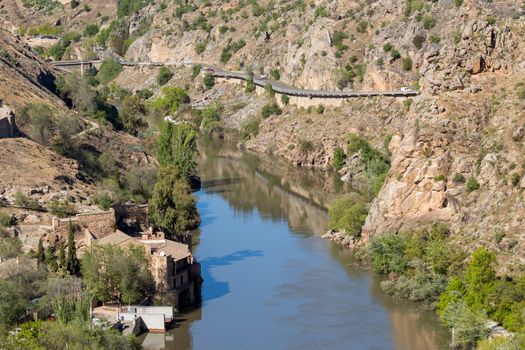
118,237
176,250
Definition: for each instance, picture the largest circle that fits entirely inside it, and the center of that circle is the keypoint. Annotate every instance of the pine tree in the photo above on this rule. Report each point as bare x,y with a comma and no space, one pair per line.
72,263
61,256
41,254
51,261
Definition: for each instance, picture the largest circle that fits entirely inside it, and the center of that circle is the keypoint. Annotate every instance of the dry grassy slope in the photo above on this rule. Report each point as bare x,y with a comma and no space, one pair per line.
23,76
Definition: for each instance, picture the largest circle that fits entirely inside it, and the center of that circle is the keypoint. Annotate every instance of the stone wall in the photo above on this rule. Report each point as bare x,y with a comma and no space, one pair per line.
132,218
99,224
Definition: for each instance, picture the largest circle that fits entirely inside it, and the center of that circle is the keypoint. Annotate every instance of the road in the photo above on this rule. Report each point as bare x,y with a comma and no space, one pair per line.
259,81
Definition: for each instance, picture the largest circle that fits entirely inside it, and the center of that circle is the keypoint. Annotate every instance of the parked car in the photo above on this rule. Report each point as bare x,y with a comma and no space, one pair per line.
264,76
405,89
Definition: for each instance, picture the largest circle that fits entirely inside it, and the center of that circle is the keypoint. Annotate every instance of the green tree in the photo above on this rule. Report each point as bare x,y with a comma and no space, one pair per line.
51,261
109,70
177,145
171,100
164,75
209,81
172,205
479,278
468,326
72,263
131,115
250,86
348,214
338,159
387,252
115,273
41,253
12,304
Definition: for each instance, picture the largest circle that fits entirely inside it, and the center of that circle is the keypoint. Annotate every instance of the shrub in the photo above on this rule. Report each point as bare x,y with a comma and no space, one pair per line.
128,7
109,70
275,74
472,184
270,109
285,99
387,253
320,109
395,54
470,326
164,75
515,179
435,39
305,146
195,71
338,159
348,214
418,41
62,209
458,3
104,201
249,128
406,63
209,81
429,22
74,4
91,30
458,178
21,200
491,20
269,89
387,47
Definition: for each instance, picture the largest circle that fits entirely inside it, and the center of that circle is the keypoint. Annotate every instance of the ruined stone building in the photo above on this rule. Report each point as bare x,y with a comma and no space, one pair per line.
172,264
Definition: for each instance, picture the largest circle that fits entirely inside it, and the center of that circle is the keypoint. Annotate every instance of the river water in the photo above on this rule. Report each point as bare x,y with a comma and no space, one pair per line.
270,281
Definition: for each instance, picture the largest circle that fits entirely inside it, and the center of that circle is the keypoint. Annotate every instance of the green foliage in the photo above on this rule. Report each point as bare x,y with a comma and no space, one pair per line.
458,178
275,74
209,81
51,335
338,159
395,54
406,63
112,273
231,49
109,70
348,214
376,164
21,200
200,46
195,71
387,253
61,209
458,3
491,20
249,128
172,206
12,304
171,100
91,30
515,179
164,75
418,41
472,184
128,7
250,86
387,47
10,247
429,22
285,99
44,29
132,112
177,146
211,116
268,88
469,325
72,264
270,109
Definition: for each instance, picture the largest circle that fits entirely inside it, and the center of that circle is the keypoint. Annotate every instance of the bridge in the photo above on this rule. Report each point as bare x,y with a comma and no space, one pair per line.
261,81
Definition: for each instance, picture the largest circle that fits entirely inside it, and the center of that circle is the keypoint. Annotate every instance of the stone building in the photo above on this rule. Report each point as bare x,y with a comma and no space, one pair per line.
172,264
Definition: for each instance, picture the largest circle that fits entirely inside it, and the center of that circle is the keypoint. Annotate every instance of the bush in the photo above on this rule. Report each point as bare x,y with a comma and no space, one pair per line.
406,63
472,185
270,109
418,41
250,86
164,75
91,30
515,179
305,146
338,159
429,22
470,326
458,178
249,128
285,99
275,74
209,81
128,7
21,200
348,214
171,100
387,253
458,3
387,47
195,71
109,70
61,209
104,201
395,54
320,109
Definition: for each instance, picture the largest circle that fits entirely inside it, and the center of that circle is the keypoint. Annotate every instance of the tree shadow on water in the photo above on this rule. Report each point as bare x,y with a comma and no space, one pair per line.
211,185
214,289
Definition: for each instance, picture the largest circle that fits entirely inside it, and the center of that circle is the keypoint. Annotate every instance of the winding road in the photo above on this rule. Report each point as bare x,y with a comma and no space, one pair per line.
261,81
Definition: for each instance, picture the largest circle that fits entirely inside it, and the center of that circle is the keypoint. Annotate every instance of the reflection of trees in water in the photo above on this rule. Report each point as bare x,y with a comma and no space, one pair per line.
247,189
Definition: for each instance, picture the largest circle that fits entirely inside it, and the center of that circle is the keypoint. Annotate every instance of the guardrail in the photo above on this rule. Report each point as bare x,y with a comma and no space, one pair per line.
291,91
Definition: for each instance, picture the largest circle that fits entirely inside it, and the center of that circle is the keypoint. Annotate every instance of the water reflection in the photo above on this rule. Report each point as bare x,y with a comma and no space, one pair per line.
216,289
270,283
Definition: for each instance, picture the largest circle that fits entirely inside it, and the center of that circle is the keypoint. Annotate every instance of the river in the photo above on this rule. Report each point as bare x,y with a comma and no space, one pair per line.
271,282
